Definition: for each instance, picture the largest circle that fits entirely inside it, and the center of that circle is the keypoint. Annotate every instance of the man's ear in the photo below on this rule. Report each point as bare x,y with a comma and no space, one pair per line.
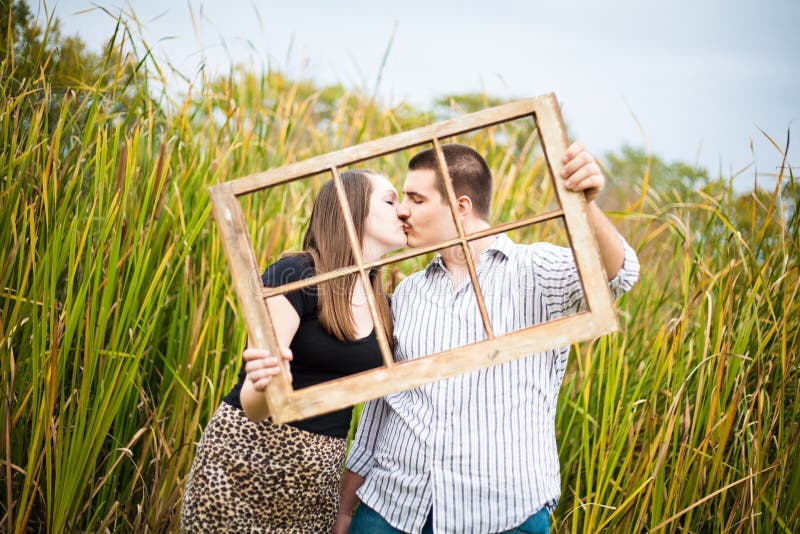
464,205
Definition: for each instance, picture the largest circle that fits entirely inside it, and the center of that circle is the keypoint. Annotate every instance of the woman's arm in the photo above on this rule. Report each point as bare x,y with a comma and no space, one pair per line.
261,366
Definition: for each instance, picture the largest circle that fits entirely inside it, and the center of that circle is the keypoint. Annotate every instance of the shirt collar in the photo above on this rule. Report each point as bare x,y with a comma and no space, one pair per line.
502,246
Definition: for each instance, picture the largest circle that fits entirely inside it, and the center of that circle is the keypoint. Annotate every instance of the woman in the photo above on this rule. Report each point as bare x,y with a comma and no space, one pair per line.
256,476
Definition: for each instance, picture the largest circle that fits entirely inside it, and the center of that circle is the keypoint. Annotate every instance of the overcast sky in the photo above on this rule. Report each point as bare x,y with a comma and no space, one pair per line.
701,77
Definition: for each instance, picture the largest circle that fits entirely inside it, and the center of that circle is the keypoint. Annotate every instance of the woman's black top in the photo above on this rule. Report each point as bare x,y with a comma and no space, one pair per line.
317,355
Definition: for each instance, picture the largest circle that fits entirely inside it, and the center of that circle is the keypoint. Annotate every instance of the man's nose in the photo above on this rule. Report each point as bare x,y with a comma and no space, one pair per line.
403,212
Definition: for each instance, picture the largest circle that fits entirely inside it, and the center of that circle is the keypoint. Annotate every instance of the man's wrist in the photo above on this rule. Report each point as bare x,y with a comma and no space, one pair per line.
347,509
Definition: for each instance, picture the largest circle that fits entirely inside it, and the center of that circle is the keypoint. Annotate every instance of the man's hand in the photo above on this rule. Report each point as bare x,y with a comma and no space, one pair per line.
342,524
261,366
347,501
581,172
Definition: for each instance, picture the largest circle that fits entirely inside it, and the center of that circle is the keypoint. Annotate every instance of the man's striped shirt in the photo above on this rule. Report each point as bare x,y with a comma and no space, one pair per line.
479,448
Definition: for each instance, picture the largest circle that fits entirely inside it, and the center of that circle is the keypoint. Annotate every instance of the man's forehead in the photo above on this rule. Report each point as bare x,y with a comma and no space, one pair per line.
419,181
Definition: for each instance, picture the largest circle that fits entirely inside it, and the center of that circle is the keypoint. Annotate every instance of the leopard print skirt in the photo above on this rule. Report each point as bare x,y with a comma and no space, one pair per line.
262,477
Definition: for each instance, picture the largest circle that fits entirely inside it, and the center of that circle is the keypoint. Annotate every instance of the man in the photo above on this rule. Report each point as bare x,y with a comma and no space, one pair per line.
476,452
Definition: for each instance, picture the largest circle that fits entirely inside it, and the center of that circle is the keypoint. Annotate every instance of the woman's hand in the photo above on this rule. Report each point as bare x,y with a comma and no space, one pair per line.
261,366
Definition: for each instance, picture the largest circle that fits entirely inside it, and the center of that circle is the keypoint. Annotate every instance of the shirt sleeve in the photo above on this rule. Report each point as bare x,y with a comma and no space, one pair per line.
291,269
628,274
557,278
362,450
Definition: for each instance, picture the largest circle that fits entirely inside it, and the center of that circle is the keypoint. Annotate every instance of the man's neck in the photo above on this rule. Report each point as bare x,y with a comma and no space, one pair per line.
453,257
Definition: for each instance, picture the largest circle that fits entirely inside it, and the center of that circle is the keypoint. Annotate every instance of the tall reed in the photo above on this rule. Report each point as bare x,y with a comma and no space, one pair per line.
688,419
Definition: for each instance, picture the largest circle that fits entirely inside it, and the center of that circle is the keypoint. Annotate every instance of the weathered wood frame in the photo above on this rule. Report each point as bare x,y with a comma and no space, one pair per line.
287,404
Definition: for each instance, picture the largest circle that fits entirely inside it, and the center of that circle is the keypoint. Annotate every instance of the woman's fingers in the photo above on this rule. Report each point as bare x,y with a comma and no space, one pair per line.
260,366
254,354
262,376
261,384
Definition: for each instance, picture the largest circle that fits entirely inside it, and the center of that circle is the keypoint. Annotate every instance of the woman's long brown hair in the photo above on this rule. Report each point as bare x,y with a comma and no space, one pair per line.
326,241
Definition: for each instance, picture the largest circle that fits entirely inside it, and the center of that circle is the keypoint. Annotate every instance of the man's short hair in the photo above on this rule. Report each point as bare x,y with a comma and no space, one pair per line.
468,170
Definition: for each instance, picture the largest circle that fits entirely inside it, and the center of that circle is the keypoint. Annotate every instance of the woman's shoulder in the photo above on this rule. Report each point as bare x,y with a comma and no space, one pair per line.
290,268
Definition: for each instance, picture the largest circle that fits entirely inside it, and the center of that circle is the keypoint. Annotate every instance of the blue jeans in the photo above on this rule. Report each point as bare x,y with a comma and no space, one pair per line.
368,521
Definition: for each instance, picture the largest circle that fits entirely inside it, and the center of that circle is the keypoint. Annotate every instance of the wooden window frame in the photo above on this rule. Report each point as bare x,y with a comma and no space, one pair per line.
286,404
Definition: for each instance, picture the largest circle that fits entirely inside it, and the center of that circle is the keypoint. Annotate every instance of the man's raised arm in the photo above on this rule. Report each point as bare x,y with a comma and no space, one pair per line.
582,173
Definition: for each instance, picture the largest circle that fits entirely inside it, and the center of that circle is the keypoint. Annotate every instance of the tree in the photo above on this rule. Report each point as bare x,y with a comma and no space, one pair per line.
451,105
28,50
634,163
36,57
